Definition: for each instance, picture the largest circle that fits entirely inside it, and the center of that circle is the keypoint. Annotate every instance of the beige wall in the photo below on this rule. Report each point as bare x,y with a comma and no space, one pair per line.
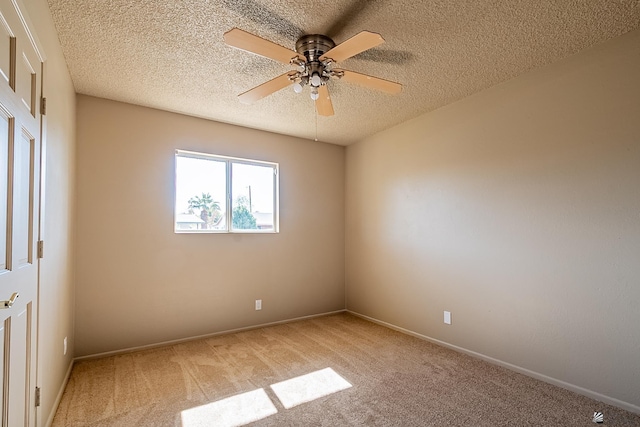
139,283
56,268
518,210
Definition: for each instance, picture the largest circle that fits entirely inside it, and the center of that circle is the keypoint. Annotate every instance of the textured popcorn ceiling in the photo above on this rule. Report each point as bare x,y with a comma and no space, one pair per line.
170,54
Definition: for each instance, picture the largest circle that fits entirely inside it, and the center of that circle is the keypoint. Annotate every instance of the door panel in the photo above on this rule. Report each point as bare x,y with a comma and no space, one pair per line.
5,339
26,75
6,46
4,184
20,91
18,379
23,200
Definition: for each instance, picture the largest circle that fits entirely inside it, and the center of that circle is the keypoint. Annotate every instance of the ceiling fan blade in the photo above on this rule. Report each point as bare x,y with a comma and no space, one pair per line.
251,43
359,43
356,9
267,88
370,82
386,56
265,17
323,103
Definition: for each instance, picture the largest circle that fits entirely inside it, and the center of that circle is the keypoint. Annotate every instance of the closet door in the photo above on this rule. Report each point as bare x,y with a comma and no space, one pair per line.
20,67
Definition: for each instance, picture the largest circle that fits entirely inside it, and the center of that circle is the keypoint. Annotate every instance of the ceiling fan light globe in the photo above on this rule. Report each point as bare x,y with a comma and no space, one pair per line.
314,93
316,80
297,87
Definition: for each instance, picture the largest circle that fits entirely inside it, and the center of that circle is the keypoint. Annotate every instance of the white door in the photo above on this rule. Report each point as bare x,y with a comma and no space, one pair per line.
20,80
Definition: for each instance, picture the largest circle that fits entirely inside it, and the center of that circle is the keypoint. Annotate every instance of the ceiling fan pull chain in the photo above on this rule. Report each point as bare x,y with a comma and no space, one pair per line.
316,108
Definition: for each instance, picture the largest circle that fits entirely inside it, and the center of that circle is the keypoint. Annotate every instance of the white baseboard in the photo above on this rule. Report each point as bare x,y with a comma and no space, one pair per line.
54,409
178,341
572,387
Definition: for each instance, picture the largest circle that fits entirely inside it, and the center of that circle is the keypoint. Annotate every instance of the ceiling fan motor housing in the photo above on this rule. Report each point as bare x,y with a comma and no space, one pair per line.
313,46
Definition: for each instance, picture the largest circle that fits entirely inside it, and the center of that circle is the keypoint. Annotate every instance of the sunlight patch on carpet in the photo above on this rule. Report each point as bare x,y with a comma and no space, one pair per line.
233,411
309,387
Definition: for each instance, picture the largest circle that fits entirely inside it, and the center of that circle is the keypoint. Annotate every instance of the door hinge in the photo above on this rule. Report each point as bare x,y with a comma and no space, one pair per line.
43,107
37,396
40,248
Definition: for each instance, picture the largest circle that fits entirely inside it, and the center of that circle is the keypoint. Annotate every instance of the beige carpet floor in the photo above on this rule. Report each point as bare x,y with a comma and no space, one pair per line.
377,377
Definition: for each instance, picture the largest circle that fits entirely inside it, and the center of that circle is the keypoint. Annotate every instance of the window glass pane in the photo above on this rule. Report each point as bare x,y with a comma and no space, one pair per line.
253,197
201,186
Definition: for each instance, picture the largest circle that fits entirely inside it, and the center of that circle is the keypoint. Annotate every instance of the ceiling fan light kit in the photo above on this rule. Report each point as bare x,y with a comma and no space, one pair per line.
313,58
313,71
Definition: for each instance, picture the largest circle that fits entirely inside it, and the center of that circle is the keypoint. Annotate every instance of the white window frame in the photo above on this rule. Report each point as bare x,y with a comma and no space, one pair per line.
229,193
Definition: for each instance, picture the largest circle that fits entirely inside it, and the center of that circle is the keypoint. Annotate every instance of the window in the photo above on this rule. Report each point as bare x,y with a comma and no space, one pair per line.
225,194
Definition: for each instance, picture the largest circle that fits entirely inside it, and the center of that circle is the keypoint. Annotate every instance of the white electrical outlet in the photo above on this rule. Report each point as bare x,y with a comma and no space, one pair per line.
447,317
258,304
64,345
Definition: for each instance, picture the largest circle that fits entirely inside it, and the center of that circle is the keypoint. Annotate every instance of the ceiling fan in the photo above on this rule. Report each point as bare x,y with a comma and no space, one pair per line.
314,59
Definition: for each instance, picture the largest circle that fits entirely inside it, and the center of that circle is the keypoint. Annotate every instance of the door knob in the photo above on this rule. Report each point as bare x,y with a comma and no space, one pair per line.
8,303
